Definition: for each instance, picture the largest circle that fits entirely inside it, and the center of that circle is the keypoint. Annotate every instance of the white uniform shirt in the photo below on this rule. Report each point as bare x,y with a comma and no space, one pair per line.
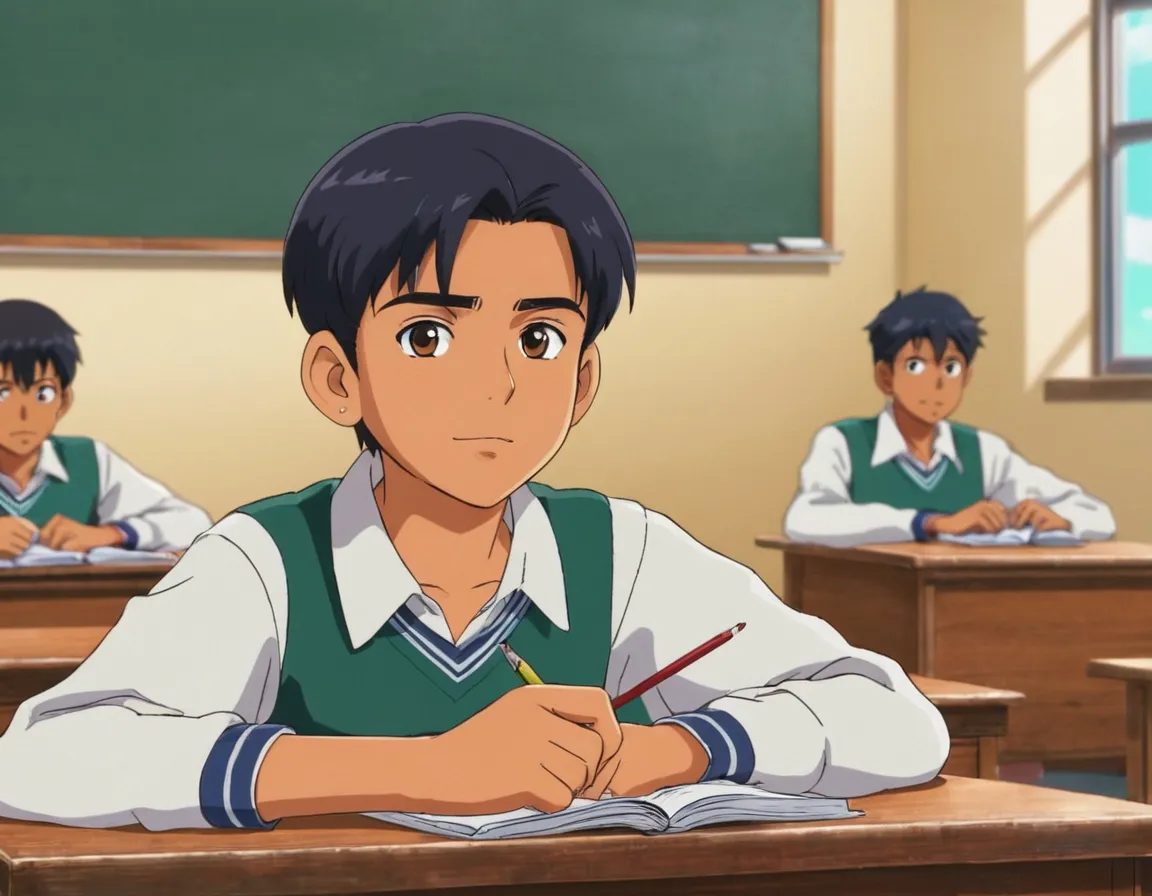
823,511
162,725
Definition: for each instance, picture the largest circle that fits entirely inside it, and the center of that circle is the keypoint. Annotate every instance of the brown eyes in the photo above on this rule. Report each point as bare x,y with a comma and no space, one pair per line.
430,339
541,342
424,339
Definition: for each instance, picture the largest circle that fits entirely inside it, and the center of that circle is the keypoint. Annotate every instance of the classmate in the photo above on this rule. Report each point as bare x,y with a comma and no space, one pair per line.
68,492
910,474
336,649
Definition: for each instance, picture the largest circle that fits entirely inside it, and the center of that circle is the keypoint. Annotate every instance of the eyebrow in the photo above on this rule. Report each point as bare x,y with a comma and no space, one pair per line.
544,304
436,299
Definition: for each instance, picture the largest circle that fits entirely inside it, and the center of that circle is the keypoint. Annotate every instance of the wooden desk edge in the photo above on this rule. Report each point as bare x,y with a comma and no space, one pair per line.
1117,669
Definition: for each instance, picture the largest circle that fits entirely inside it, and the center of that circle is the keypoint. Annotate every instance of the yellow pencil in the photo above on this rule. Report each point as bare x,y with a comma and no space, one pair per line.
527,673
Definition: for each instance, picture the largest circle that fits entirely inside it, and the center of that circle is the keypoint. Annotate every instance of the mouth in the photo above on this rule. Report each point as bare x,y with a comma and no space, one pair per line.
481,439
24,432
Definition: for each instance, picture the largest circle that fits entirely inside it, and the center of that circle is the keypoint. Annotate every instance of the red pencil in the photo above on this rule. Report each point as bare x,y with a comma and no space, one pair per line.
672,668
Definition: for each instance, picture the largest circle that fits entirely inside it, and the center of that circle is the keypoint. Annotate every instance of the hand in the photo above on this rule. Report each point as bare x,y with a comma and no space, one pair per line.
63,534
651,757
536,746
983,516
16,534
1038,516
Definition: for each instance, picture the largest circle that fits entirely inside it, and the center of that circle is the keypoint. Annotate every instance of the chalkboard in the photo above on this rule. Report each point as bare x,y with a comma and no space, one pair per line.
205,119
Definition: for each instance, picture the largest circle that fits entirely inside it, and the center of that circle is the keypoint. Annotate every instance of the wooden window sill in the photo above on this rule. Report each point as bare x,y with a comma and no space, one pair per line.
1117,387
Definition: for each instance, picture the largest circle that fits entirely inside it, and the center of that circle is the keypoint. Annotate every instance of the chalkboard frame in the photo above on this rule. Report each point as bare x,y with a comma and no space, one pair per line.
37,244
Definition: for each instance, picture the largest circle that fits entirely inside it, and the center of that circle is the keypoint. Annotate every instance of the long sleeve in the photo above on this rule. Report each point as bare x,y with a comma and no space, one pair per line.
823,511
1010,479
787,704
151,517
148,728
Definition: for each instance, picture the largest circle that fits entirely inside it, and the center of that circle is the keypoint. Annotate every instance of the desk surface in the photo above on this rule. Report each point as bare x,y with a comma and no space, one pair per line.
941,693
48,647
951,821
1110,554
1135,669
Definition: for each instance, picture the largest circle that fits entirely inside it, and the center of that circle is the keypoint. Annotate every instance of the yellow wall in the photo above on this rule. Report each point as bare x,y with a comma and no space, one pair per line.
997,207
716,382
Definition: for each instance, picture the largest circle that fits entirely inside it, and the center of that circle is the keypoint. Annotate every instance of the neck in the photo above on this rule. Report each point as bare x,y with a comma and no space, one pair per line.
19,467
426,526
920,437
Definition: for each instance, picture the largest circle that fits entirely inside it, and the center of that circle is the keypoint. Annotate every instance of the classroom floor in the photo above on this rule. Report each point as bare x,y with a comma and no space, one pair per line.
1100,783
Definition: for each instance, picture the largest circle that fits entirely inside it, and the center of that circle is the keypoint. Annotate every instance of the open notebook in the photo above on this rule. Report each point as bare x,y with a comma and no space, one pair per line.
665,811
38,555
1015,538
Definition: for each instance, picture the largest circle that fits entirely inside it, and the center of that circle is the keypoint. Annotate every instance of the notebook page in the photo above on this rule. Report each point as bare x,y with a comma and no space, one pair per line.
38,555
1003,538
121,555
672,801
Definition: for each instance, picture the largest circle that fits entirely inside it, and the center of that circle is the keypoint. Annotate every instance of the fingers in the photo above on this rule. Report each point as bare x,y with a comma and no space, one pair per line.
1023,514
27,524
582,742
567,767
51,533
603,779
584,706
549,794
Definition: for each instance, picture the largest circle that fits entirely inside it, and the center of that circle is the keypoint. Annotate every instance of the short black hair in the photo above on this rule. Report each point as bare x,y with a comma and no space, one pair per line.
32,334
921,314
379,203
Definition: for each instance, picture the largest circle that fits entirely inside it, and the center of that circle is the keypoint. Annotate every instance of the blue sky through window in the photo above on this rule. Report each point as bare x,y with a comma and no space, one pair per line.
1135,170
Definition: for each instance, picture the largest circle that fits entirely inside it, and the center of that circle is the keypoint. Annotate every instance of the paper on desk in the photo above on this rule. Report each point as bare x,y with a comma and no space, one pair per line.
1015,538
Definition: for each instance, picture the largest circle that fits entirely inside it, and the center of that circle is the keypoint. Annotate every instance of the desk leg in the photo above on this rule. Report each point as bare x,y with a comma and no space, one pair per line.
793,581
988,758
1139,723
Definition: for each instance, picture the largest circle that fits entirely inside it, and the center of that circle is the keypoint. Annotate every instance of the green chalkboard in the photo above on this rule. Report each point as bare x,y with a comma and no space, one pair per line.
207,118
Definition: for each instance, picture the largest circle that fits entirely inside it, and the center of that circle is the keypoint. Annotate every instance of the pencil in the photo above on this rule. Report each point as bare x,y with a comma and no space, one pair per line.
528,674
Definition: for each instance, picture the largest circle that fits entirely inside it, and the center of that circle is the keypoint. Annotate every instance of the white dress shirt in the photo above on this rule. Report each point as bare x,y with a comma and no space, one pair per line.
823,511
155,519
163,724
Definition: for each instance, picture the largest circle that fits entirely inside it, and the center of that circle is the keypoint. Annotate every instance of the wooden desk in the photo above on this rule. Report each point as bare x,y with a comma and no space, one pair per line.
73,595
1028,619
963,835
34,659
1137,675
977,720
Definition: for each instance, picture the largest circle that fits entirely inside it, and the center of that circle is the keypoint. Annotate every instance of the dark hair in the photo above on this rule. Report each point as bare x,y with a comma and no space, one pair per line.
31,334
920,314
385,198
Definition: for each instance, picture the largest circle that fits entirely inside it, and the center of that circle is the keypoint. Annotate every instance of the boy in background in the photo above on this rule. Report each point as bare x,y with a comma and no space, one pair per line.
67,492
910,474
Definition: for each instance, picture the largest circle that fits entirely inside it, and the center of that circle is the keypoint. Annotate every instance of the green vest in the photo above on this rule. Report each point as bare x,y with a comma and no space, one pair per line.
899,483
407,681
76,499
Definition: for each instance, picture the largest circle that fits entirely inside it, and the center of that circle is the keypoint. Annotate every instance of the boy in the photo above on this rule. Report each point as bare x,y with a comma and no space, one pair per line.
69,493
337,649
909,474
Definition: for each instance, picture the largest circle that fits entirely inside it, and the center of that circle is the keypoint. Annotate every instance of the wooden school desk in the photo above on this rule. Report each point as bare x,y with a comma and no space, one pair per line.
977,720
34,659
957,835
1026,618
1137,675
73,595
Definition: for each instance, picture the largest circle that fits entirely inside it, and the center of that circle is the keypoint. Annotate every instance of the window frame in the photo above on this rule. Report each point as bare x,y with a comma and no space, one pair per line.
1109,139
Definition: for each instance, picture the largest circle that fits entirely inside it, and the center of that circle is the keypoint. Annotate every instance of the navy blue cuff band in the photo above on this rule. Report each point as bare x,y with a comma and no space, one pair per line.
131,539
918,521
228,781
731,756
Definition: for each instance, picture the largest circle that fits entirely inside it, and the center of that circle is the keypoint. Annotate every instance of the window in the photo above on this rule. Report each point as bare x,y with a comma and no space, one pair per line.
1124,185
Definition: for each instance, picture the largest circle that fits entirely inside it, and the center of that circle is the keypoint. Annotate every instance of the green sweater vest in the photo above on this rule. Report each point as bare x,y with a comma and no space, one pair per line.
898,483
76,499
392,686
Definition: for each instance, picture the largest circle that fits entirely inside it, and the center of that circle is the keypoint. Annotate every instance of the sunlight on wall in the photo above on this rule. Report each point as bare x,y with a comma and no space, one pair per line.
1058,151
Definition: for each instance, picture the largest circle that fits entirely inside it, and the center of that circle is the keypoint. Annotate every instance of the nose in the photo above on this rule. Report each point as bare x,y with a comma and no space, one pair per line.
495,379
23,411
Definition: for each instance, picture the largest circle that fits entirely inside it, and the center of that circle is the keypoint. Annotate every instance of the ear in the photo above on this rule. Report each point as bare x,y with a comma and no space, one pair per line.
65,404
883,376
329,380
587,382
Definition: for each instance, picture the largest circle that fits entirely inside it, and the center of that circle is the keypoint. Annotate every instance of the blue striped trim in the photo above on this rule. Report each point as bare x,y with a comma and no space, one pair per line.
131,539
228,780
731,756
918,521
19,508
460,662
927,481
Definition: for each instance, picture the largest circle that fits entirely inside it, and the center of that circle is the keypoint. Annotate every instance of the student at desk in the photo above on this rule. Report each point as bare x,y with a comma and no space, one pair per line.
337,649
911,474
68,493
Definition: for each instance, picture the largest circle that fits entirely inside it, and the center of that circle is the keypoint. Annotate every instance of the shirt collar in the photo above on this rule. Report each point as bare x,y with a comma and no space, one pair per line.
49,463
890,443
374,582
